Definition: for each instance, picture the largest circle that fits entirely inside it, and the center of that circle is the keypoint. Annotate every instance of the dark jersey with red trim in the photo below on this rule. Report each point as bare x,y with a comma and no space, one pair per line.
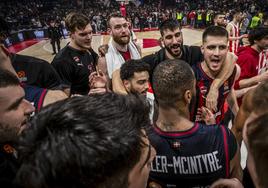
35,71
35,95
193,158
203,83
74,67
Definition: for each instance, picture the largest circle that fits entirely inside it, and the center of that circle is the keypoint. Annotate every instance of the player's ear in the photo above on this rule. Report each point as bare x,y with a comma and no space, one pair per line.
109,31
202,48
71,34
127,84
161,42
188,96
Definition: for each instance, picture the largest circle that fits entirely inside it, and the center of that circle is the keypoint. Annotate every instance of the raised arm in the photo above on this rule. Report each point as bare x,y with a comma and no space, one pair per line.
117,83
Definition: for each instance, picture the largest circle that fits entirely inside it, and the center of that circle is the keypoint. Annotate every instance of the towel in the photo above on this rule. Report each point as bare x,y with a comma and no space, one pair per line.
114,59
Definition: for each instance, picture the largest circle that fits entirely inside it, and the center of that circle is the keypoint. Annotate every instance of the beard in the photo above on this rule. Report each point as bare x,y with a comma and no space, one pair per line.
175,55
120,41
8,134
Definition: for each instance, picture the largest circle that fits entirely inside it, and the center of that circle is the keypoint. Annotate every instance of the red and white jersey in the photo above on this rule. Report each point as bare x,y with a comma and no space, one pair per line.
263,62
234,44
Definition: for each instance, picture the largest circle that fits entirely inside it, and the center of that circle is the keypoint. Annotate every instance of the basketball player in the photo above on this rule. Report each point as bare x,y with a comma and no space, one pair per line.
14,114
36,72
121,48
233,31
173,48
135,76
188,154
76,61
254,105
253,68
214,49
39,97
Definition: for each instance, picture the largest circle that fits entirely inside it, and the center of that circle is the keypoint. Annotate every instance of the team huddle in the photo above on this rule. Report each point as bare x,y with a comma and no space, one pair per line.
117,119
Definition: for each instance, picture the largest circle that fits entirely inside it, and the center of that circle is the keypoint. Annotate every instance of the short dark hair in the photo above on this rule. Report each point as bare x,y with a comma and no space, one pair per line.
170,24
90,141
215,31
128,69
216,14
260,98
76,20
113,15
171,79
257,34
257,132
235,12
7,78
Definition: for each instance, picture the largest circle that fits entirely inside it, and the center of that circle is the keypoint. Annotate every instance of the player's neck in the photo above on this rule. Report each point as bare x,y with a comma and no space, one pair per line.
73,45
171,120
120,47
235,21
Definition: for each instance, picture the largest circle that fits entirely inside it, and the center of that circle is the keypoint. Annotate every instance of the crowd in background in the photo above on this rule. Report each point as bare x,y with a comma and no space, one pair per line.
20,15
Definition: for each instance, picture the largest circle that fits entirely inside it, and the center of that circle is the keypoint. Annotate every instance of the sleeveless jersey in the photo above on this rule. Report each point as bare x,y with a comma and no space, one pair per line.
193,158
203,83
234,44
35,95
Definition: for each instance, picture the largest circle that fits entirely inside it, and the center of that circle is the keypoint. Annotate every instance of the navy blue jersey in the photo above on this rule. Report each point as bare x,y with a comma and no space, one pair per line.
193,158
203,83
36,72
35,95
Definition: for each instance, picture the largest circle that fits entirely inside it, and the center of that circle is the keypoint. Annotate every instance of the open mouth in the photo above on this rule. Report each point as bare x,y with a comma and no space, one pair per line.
215,61
177,46
124,36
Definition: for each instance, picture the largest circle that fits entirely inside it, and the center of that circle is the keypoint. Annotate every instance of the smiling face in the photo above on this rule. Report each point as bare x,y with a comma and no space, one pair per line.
214,49
139,83
14,112
119,30
81,38
172,41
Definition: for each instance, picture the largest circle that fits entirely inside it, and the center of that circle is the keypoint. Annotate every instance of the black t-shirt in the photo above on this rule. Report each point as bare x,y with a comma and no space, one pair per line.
8,165
74,67
36,72
190,54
